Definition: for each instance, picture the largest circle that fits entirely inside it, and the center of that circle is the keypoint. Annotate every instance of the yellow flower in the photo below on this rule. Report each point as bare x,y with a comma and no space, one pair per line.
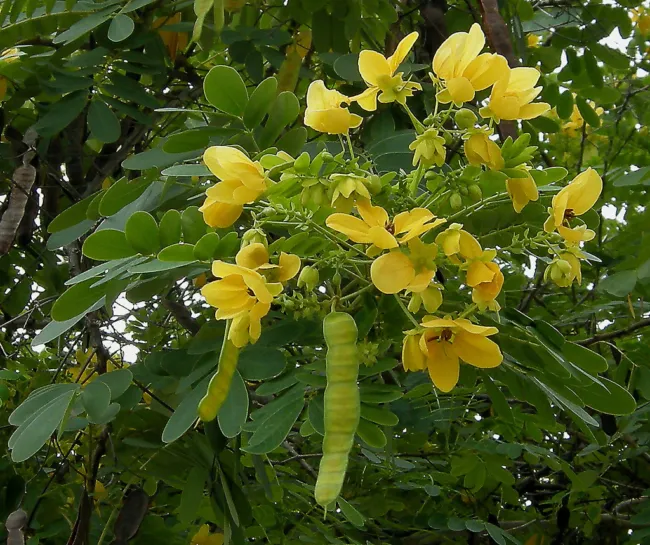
204,537
574,200
532,40
242,182
487,281
563,270
245,291
379,74
522,191
512,95
457,242
395,271
463,70
324,112
429,148
445,342
100,493
480,150
375,228
641,19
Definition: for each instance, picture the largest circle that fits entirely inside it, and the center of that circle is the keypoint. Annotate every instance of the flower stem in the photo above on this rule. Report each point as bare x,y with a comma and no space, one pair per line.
347,135
415,182
417,125
406,311
469,310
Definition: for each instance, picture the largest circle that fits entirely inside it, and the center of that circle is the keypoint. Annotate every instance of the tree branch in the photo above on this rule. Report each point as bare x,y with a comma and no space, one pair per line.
615,334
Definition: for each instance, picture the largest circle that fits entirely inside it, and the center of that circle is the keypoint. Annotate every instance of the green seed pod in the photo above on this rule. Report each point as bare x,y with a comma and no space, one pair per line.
455,202
465,119
342,404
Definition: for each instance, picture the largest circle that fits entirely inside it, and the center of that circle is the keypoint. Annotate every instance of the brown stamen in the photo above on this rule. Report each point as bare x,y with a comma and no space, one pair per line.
446,334
390,228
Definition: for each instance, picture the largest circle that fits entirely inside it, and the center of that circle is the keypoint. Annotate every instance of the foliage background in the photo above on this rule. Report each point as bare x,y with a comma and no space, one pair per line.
103,103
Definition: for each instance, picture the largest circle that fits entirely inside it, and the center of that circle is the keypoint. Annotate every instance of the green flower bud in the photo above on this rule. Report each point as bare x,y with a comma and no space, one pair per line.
336,279
475,193
373,183
301,165
456,202
327,156
308,278
465,119
463,190
254,236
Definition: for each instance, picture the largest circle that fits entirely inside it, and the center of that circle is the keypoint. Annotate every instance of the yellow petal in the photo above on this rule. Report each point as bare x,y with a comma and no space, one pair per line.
583,191
474,329
577,234
373,67
252,256
485,70
472,47
443,366
368,99
412,357
382,239
531,111
392,272
220,215
222,269
421,281
401,51
354,228
460,89
477,350
522,191
289,266
559,204
469,247
522,78
439,323
374,216
450,241
479,272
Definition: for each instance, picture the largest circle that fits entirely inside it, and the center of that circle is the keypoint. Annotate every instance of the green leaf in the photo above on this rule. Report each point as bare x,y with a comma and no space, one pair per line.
379,393
234,411
270,435
498,399
158,266
379,415
258,362
611,398
130,90
316,413
121,27
350,513
260,102
192,139
565,105
619,284
347,67
37,400
60,114
636,177
604,95
122,193
225,90
187,170
293,141
192,495
555,174
587,112
545,124
107,244
177,252
76,300
284,111
28,439
142,233
170,228
185,414
85,25
118,381
71,216
594,71
371,434
156,158
612,57
55,329
206,247
102,122
96,397
586,359
192,225
201,9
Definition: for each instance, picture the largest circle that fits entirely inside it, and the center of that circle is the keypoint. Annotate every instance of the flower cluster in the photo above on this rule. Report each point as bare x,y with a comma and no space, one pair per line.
386,233
246,289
